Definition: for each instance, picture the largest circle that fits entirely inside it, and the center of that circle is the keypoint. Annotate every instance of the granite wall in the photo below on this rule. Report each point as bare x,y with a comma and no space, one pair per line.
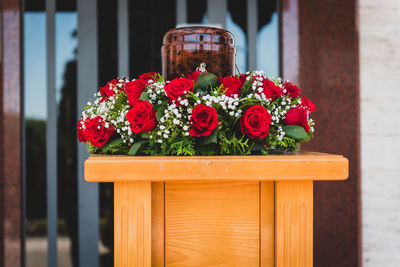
320,53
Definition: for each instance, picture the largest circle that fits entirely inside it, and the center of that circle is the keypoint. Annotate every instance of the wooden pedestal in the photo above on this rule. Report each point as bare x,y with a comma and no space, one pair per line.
214,211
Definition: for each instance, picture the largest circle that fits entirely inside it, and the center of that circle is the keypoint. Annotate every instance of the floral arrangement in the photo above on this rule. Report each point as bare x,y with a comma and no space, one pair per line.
199,114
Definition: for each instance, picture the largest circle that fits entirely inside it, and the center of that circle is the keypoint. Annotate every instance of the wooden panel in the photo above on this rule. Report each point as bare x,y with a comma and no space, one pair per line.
212,224
132,224
157,224
294,223
267,224
303,166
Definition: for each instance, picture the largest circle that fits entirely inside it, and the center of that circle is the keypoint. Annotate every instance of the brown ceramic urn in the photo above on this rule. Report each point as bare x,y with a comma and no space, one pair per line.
184,49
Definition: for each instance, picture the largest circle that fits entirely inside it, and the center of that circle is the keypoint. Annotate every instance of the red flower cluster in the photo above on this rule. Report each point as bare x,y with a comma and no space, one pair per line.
108,90
142,117
204,120
299,115
178,88
134,90
232,85
255,122
146,77
194,75
291,89
270,90
94,131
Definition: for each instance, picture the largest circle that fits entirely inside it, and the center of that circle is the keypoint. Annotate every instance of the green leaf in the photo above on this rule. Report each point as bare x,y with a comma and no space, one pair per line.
135,147
160,111
144,96
115,142
112,144
257,147
206,81
295,132
212,138
145,135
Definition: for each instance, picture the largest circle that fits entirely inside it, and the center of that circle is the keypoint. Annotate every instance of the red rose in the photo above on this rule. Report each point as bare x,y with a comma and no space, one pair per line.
94,131
242,79
271,90
308,104
298,116
134,90
108,90
178,88
255,122
291,89
194,75
142,117
147,76
232,85
204,120
81,132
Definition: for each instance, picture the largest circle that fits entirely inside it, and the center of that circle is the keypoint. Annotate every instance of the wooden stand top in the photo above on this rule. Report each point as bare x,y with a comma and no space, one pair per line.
301,166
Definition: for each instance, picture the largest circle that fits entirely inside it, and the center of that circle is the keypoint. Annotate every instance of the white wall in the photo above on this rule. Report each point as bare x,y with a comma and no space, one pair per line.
379,23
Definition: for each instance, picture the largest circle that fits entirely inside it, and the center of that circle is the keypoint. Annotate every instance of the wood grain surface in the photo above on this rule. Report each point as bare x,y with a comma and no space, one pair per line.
157,224
212,224
294,224
267,224
132,224
302,166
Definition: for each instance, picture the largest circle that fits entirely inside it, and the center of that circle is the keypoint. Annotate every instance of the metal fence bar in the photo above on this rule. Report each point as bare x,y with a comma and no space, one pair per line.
252,29
123,38
216,12
51,135
181,12
88,194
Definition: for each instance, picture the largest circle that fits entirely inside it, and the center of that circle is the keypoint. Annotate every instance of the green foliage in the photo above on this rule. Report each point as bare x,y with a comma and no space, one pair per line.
287,145
144,96
206,81
212,138
184,147
232,145
295,132
160,110
135,147
171,135
91,149
116,146
158,78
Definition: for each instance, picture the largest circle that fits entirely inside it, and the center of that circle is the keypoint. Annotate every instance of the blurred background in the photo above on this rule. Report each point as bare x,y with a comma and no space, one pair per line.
343,54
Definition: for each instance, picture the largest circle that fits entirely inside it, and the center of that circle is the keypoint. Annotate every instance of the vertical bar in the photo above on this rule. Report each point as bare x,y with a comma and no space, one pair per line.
132,224
23,143
294,223
289,40
51,135
157,224
10,128
216,12
267,224
252,28
123,38
181,12
88,194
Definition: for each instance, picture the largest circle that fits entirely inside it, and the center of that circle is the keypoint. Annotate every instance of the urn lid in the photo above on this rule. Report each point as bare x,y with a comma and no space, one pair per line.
207,35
